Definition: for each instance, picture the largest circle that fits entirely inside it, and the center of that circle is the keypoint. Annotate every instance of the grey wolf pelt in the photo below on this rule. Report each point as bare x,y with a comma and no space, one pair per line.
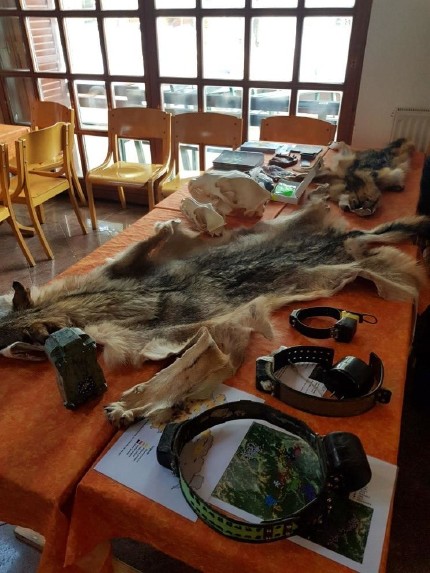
356,179
177,294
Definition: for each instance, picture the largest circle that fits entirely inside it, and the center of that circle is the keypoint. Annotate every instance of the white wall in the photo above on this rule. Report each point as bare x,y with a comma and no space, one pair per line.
396,68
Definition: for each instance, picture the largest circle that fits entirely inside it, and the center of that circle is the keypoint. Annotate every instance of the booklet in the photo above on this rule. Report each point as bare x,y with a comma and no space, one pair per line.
241,160
309,150
262,146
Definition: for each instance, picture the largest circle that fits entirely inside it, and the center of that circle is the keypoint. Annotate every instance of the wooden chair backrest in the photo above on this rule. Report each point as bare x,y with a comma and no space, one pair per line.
40,146
204,128
297,129
141,123
47,113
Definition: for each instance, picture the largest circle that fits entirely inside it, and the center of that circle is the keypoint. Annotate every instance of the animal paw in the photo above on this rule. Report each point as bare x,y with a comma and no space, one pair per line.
167,227
118,415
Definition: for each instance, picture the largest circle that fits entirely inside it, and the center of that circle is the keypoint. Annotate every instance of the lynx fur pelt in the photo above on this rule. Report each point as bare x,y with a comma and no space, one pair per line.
179,295
356,179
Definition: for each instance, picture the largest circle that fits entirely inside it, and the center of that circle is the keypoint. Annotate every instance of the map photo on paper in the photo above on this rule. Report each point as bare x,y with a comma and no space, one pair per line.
346,530
271,475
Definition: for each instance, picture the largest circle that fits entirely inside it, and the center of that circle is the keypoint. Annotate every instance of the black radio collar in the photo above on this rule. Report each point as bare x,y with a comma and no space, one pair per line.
356,385
341,456
342,331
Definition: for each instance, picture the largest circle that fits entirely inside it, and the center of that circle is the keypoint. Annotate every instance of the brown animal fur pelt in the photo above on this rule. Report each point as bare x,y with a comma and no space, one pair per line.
355,179
176,294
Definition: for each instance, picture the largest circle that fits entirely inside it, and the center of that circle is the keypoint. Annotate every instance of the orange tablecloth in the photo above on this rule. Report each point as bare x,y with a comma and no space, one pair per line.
104,509
46,449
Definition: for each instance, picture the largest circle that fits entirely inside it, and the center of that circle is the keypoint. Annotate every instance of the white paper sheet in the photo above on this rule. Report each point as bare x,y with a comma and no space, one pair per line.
132,459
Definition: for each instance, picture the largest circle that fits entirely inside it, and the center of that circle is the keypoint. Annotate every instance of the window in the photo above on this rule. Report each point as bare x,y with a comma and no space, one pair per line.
250,58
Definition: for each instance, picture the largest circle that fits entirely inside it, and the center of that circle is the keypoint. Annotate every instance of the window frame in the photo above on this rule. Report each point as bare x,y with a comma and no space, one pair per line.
147,14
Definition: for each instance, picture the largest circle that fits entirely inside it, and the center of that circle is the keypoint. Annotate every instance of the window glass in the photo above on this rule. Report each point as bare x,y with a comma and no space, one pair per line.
265,102
195,48
19,93
128,95
179,98
124,46
274,3
45,44
325,47
134,150
223,3
85,56
319,104
223,48
177,46
270,37
78,4
13,55
119,4
223,99
160,4
92,103
329,3
95,149
54,89
37,5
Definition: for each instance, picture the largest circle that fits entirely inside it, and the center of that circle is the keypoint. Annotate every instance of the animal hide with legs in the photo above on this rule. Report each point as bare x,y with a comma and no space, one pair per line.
178,295
356,179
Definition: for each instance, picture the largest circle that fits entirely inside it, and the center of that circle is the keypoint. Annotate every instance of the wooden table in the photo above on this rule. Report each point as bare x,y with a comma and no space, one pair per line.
10,133
47,450
104,509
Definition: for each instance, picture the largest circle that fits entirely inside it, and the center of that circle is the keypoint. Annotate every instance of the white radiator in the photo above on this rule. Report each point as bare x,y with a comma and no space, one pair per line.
414,124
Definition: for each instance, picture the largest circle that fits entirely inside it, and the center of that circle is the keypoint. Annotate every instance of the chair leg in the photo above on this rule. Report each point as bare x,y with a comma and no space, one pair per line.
40,233
78,187
151,195
40,213
91,205
75,206
23,245
122,197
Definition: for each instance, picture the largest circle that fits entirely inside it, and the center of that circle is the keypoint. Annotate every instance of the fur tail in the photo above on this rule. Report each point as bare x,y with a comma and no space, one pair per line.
415,227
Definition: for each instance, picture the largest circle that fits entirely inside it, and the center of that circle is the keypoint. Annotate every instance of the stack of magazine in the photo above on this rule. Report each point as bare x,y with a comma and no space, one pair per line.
240,160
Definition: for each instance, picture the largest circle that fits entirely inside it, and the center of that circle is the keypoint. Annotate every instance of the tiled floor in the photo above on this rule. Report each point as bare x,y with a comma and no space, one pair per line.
65,237
410,537
16,557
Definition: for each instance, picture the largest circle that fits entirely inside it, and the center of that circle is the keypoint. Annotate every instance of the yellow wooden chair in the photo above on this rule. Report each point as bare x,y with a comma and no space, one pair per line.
6,208
136,123
32,188
47,113
297,129
200,129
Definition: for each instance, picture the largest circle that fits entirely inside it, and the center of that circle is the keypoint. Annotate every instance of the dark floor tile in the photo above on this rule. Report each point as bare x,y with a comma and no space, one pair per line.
15,556
145,558
409,550
65,237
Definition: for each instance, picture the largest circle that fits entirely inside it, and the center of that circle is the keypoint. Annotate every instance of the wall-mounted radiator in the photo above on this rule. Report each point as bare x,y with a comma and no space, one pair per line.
414,124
